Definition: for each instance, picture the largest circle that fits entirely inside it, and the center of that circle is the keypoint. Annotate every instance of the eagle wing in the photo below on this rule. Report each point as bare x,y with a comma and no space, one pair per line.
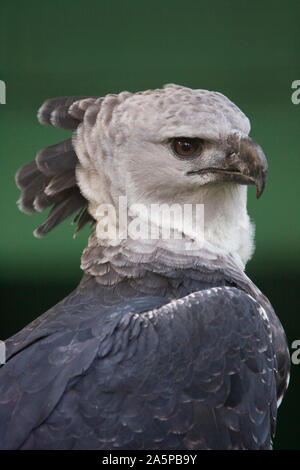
193,373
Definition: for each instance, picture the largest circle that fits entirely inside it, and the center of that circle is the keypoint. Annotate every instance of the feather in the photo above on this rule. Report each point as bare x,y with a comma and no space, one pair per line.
82,218
50,179
59,212
55,112
26,173
34,188
42,201
60,182
78,108
57,158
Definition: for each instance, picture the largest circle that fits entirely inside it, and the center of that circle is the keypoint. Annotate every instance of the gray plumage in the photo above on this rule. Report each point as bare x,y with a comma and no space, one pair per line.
158,347
50,180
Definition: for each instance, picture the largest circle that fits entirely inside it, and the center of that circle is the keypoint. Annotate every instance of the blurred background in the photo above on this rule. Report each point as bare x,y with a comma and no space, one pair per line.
247,50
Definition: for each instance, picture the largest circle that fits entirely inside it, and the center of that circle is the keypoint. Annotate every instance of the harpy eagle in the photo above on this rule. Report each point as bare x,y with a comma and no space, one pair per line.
159,346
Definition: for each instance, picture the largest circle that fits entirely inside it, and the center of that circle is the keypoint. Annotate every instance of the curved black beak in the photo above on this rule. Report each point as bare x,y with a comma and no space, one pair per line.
244,163
253,164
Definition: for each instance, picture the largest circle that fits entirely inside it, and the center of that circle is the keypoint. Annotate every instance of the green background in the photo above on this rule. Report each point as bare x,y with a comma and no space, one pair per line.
248,50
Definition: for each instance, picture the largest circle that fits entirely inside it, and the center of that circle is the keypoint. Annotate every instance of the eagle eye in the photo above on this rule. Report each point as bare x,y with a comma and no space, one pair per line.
187,147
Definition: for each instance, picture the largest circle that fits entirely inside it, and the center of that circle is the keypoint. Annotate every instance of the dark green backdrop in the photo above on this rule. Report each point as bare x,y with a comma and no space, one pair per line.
248,50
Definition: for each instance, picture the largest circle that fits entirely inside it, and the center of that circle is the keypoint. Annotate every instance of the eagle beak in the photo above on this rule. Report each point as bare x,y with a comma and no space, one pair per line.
251,163
244,163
